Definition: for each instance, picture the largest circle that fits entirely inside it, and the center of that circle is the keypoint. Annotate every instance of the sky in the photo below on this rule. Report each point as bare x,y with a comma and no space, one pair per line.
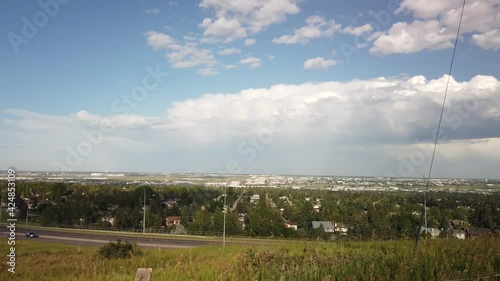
299,87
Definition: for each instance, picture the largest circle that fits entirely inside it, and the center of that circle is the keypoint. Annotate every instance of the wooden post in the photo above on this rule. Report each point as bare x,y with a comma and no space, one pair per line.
144,274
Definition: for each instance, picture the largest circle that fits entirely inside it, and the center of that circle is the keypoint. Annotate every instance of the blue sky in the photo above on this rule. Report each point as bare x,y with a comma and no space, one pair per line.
225,60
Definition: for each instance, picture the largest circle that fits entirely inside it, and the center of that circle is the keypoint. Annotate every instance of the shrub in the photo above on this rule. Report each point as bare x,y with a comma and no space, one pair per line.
119,250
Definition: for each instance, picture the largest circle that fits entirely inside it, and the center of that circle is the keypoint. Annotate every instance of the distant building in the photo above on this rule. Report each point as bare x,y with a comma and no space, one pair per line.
331,227
241,218
254,198
458,233
169,203
328,226
433,232
291,224
458,224
173,220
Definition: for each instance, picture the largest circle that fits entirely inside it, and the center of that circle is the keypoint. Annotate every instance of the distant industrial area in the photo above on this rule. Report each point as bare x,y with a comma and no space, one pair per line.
333,183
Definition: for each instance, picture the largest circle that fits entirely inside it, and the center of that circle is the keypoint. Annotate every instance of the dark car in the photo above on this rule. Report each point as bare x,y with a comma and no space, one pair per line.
30,235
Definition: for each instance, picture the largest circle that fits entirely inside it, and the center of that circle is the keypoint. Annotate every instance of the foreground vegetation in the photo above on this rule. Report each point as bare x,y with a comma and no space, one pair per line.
367,215
443,259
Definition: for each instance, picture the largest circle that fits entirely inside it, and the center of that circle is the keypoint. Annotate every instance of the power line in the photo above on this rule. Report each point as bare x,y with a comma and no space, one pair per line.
441,117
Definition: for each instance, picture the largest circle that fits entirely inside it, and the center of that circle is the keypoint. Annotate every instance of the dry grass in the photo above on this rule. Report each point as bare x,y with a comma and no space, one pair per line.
434,260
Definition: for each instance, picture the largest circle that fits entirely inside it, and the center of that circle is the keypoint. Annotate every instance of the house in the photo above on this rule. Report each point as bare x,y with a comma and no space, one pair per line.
457,233
328,226
254,198
241,218
108,218
331,227
173,220
169,203
317,207
433,232
458,224
291,224
341,228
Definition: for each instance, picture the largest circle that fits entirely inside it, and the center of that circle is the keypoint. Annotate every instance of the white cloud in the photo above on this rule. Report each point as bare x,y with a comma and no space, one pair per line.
222,30
253,14
252,62
374,120
159,40
229,51
414,37
489,40
358,30
230,66
318,63
190,56
395,110
172,2
182,55
250,42
316,27
479,15
153,11
207,71
190,38
435,25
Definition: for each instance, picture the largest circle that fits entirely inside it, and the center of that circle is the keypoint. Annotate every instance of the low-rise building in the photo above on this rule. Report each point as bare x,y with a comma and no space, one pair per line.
172,220
291,224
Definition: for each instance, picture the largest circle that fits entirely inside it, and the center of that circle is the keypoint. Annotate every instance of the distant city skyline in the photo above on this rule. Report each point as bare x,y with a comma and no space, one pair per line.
253,87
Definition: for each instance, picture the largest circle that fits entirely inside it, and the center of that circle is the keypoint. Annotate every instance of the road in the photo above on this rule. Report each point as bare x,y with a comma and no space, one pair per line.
100,238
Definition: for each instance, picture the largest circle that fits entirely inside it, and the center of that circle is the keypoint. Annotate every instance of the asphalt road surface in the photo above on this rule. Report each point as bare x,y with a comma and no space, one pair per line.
100,238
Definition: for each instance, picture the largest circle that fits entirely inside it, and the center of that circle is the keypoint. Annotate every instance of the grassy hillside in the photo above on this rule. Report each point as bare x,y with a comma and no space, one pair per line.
434,260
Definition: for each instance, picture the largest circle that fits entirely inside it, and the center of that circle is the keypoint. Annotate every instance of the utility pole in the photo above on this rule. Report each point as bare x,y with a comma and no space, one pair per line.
144,218
27,212
1,210
225,210
425,206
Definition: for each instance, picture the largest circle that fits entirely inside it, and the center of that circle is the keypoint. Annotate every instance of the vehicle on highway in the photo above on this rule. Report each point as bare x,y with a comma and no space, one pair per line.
31,235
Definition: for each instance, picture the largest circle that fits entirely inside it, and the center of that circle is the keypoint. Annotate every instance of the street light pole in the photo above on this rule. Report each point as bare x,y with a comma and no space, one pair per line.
144,218
27,212
224,230
1,207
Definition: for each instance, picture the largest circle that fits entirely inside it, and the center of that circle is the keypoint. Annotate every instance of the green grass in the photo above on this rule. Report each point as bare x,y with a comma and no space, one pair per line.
394,260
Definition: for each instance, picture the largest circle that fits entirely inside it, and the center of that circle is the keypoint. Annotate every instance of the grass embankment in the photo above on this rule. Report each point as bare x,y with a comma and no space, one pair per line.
434,260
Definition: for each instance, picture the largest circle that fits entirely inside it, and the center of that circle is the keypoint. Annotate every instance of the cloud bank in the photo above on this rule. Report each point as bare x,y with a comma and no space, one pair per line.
307,127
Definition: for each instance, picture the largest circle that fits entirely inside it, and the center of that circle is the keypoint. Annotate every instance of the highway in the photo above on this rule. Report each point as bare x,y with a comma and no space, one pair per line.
88,238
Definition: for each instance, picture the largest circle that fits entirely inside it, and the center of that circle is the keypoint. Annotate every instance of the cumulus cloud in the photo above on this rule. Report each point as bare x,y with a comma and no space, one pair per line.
318,63
358,30
414,37
159,40
254,15
230,66
361,121
252,62
316,27
229,51
222,30
250,42
180,55
489,40
435,26
207,71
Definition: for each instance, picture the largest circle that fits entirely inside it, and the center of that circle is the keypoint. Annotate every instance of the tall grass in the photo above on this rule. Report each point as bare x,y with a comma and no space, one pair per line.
391,260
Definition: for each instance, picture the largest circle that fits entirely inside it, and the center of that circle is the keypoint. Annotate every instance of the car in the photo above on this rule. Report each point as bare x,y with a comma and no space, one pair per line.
30,235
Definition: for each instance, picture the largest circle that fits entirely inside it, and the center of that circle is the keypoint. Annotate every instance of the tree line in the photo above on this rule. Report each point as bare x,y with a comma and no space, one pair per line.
367,215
